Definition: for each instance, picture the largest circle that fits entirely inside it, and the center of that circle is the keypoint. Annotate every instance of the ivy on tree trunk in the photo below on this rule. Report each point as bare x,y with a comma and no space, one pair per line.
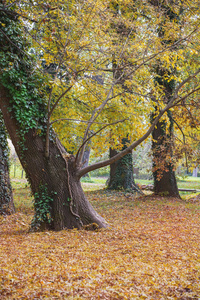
6,195
121,171
59,200
163,167
162,145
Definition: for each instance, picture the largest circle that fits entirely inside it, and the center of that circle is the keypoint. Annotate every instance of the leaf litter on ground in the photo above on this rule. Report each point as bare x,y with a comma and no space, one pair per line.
151,250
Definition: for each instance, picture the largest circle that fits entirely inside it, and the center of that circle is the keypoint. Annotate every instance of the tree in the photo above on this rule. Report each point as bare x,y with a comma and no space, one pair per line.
121,171
163,166
6,196
169,30
29,98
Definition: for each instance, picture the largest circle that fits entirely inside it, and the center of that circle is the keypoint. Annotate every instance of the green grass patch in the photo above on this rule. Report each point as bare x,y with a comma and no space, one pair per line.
23,200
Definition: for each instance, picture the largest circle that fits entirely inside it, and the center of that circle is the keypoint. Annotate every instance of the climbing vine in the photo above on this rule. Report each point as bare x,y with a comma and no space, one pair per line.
16,65
43,208
27,95
123,174
5,187
3,139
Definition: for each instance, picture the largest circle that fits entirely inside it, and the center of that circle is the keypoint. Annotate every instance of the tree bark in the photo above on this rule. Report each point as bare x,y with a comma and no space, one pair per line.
59,199
85,160
121,171
6,195
162,146
163,167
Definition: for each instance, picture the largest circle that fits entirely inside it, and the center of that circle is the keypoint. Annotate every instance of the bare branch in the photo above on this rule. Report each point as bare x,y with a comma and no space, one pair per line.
162,51
186,80
179,127
84,143
98,165
50,110
15,14
83,121
96,112
107,162
185,97
59,98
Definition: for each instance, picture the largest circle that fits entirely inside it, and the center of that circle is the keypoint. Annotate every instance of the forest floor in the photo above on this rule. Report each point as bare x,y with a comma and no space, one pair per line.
151,250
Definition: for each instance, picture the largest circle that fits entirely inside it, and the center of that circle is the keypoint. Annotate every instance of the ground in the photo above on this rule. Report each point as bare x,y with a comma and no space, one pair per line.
151,250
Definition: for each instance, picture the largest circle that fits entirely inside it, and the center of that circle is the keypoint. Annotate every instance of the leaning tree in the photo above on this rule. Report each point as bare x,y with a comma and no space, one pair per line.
29,98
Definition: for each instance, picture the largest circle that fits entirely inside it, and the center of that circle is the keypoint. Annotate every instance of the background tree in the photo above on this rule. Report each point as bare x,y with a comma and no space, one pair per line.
6,196
170,29
121,172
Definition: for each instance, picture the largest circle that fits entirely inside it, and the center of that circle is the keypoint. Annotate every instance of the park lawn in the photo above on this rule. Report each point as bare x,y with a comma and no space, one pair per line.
187,183
151,250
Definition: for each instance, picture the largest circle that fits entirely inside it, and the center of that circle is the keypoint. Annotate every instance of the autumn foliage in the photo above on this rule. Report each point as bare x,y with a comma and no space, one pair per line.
150,251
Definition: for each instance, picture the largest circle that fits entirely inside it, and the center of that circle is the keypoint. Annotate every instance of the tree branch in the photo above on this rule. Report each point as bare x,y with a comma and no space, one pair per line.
130,73
114,123
7,37
83,121
15,14
185,97
179,127
98,165
95,114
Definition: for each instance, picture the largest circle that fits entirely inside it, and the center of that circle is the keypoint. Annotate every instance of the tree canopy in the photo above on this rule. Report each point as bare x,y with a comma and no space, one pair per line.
75,44
57,66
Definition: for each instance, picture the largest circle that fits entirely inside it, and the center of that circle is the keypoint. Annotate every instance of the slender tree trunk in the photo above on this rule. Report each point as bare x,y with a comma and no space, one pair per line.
85,161
121,172
59,199
6,196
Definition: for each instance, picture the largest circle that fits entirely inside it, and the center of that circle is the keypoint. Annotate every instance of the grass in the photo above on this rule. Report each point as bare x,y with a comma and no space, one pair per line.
23,199
96,180
16,172
188,182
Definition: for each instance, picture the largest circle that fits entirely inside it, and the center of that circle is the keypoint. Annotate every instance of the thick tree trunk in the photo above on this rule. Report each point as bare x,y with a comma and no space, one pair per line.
6,196
162,146
59,199
121,172
163,168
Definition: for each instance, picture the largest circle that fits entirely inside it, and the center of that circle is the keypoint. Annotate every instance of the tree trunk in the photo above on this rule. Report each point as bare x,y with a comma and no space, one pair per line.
121,172
59,199
163,168
162,146
85,160
6,196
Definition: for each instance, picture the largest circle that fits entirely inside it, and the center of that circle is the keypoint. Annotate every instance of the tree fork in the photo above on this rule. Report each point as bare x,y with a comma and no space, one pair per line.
69,208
